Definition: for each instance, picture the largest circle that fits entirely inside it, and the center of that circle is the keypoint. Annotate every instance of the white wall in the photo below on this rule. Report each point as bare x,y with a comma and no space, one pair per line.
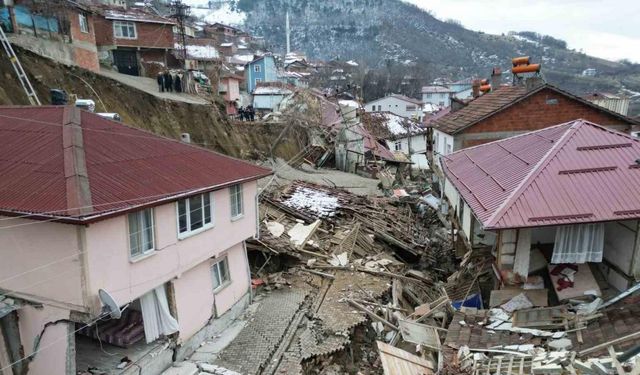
437,98
619,241
443,145
395,106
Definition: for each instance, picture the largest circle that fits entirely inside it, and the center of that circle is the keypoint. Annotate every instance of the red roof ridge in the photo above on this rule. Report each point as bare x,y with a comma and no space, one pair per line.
78,191
83,167
535,171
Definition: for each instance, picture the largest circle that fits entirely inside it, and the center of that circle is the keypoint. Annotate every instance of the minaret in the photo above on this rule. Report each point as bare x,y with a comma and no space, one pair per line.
288,30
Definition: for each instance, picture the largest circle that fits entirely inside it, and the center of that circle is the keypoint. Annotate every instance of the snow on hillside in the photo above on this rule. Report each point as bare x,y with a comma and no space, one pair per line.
224,14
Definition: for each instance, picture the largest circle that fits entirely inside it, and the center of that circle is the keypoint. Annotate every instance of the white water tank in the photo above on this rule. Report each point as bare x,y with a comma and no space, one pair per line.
185,137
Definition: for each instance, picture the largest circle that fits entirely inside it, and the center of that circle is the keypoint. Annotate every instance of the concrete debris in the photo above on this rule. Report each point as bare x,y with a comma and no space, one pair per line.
560,344
518,302
339,260
276,229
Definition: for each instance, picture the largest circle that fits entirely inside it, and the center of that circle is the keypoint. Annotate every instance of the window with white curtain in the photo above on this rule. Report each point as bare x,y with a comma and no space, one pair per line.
195,214
141,232
237,209
579,243
156,317
220,274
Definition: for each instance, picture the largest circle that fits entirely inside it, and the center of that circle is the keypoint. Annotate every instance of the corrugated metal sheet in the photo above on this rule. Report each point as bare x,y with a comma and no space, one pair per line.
126,166
572,173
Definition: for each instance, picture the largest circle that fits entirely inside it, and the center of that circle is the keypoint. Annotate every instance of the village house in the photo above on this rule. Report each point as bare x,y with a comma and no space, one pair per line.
510,110
400,134
615,103
356,149
397,104
260,70
135,41
437,95
201,54
558,205
267,97
64,31
100,210
229,87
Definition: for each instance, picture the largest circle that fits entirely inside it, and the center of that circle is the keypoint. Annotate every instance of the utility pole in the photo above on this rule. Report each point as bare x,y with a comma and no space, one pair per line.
180,12
288,31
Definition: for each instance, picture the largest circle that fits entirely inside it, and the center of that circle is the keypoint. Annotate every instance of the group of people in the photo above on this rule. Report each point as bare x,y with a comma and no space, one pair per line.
169,82
247,114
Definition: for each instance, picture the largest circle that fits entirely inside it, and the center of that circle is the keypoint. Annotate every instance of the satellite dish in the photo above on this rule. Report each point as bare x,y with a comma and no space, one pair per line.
109,305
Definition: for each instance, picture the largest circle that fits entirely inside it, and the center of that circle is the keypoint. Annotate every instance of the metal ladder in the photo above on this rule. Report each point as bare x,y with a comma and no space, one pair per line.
22,76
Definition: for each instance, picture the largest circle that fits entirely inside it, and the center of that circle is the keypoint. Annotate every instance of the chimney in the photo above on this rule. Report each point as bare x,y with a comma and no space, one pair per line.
496,78
475,88
532,83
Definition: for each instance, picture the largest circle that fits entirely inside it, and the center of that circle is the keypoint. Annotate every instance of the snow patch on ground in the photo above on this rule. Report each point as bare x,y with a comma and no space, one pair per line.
318,202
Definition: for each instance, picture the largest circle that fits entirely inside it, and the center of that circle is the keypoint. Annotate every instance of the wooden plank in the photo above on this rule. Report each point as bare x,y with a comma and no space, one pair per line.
399,362
606,344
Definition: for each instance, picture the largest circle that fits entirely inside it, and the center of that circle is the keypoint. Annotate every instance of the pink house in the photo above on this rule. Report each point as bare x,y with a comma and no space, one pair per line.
230,87
89,205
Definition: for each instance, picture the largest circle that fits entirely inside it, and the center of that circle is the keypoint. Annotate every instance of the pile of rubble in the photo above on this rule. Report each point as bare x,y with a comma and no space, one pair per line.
380,259
387,294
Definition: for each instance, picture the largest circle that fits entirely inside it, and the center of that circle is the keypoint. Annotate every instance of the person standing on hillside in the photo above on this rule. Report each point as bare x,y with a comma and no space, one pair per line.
168,82
177,83
160,79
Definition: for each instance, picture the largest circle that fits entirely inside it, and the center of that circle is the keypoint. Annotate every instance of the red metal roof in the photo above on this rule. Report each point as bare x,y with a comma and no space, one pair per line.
570,173
126,167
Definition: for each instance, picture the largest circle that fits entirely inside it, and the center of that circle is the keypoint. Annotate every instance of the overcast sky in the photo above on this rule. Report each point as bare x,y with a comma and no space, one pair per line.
607,29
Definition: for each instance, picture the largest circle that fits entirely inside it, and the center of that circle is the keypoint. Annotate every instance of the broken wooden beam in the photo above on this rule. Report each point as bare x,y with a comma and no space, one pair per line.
372,315
327,275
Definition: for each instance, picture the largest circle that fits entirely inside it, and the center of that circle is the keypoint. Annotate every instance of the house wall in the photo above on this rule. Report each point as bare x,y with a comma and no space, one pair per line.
267,73
79,50
437,98
396,106
443,144
84,44
54,343
269,102
109,264
541,110
42,260
195,298
148,35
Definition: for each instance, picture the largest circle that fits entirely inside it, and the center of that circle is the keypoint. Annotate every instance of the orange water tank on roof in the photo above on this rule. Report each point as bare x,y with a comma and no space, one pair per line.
525,68
520,60
485,88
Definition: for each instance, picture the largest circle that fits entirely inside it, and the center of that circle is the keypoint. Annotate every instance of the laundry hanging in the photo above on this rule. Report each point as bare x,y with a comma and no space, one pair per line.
579,243
156,316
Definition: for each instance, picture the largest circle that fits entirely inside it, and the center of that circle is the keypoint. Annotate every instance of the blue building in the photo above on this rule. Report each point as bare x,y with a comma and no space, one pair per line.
262,69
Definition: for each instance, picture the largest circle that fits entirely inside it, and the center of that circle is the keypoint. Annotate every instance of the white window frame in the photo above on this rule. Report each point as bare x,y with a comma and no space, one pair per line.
205,226
136,216
216,277
257,68
397,145
117,26
84,23
239,193
258,80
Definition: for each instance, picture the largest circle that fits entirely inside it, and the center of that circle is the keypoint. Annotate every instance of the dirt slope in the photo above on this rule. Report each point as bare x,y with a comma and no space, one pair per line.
207,124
